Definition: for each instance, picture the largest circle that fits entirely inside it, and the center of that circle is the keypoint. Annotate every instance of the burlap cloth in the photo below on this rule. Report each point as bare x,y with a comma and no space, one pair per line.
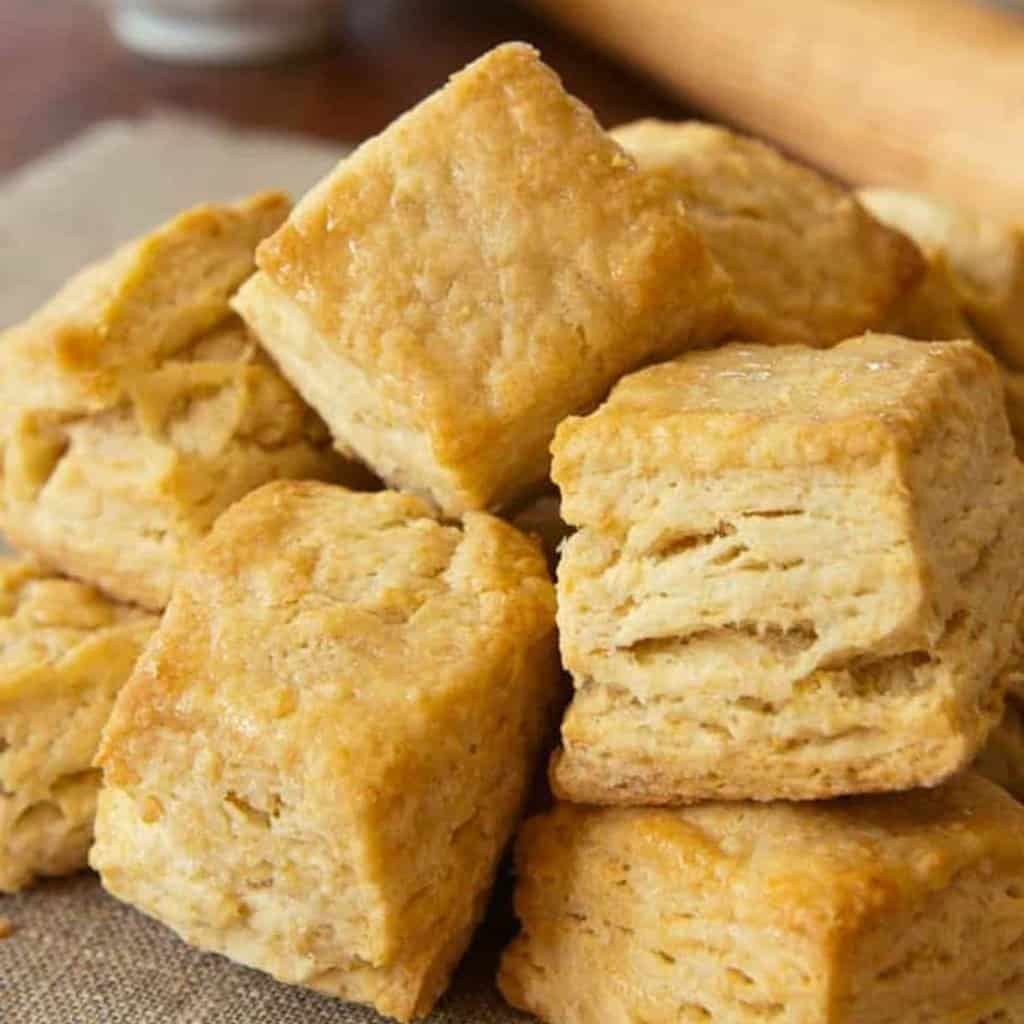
76,955
80,957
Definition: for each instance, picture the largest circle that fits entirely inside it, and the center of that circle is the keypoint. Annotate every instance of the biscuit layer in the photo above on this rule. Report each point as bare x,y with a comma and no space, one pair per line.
489,264
900,909
795,573
316,765
65,651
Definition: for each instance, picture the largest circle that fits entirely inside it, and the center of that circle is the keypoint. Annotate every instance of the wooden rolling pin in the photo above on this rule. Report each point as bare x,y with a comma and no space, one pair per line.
923,94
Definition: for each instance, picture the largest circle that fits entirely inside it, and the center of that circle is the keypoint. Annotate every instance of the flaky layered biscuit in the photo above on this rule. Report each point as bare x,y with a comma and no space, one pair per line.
137,407
898,909
796,573
489,264
809,265
65,651
322,753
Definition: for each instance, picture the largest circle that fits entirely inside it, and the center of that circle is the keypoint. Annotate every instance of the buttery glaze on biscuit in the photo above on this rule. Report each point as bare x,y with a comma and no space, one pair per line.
489,264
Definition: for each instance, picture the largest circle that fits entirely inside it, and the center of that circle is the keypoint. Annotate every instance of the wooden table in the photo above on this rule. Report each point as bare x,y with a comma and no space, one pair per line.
62,70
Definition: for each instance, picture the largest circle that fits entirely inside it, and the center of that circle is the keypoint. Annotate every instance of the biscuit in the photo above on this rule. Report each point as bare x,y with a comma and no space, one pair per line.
796,573
896,909
65,651
317,762
136,407
1002,759
982,261
808,264
489,264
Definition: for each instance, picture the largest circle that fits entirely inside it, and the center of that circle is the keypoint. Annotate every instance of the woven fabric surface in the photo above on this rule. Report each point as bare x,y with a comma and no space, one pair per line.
78,956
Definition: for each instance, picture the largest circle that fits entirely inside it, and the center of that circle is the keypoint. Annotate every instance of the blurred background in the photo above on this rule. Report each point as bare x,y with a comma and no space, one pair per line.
114,113
63,67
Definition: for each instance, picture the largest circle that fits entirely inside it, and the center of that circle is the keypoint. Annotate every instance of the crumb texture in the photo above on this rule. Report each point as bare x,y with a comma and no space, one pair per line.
520,265
357,704
805,589
906,908
65,651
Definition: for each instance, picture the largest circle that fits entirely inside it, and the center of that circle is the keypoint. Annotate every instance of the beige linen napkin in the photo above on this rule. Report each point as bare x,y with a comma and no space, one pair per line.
80,957
76,955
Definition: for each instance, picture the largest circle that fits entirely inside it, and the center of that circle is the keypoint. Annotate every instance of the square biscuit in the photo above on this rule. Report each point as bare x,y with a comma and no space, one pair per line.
489,264
317,763
796,573
137,407
809,265
65,651
899,909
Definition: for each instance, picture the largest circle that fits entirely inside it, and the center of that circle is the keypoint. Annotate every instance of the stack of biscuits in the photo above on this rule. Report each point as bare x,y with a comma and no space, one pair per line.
285,652
134,408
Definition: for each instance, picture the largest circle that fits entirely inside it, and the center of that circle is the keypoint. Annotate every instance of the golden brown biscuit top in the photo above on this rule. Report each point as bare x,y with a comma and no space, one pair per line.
742,402
491,249
871,375
810,265
44,618
151,298
337,625
812,866
727,173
